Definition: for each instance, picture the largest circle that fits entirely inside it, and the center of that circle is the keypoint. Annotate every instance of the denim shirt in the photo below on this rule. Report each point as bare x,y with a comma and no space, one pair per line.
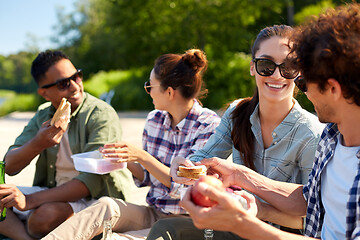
291,154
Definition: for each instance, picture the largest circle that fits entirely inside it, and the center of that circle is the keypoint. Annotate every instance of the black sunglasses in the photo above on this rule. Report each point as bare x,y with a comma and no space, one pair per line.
63,84
148,86
266,67
300,82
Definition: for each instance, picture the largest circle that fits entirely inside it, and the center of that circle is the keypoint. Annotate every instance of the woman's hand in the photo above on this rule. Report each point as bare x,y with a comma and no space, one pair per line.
180,161
125,152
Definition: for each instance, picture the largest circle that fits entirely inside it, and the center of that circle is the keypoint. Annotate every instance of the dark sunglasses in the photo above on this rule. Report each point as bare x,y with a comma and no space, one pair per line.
148,86
300,82
63,84
266,67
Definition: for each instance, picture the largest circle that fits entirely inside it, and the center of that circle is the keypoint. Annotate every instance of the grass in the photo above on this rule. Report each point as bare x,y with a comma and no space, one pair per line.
18,102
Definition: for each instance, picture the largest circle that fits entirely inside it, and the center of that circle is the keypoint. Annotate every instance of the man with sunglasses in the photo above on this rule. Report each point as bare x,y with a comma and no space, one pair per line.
59,190
327,53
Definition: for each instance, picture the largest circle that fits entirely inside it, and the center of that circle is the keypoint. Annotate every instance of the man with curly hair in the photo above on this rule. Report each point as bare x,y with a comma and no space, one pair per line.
327,53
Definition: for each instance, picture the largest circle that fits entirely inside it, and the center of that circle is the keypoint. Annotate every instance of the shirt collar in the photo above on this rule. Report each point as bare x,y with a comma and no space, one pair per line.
289,121
183,126
284,127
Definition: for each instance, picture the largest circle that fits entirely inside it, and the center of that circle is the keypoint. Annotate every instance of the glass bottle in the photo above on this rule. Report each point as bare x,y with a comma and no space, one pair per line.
208,234
2,181
107,231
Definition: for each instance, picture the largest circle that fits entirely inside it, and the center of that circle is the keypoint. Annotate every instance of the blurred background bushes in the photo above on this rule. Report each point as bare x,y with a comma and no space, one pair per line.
116,42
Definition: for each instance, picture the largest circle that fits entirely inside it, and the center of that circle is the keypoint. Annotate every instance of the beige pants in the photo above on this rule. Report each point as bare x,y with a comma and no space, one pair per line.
76,206
124,217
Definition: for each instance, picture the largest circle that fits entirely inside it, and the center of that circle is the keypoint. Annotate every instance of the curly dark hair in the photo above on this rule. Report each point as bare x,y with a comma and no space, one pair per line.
329,47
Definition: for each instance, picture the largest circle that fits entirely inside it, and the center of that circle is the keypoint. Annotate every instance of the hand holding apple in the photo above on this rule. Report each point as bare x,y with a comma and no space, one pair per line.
200,199
226,212
205,201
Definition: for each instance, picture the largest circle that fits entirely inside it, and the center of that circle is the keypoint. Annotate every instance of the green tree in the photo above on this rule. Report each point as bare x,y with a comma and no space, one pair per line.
15,72
121,34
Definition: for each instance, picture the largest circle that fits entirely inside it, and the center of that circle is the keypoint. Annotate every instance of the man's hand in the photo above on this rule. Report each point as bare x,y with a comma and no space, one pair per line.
224,170
48,135
11,196
227,215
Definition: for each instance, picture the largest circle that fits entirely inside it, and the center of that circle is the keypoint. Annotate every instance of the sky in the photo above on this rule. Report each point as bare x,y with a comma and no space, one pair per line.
21,20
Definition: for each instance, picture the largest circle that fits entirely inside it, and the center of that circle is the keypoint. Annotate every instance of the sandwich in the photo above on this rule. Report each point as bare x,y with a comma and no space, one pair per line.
62,113
193,172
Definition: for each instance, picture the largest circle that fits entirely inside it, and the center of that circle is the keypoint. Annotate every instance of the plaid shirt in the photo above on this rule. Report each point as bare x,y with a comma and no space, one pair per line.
315,210
164,143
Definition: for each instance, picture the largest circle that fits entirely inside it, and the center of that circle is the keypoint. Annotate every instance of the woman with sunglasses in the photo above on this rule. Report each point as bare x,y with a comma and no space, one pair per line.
178,127
268,132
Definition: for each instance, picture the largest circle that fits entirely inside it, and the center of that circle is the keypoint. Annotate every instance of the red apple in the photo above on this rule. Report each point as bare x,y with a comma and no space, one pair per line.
200,199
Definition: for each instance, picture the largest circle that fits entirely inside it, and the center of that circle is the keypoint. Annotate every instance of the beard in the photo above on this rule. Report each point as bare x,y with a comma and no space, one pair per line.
325,113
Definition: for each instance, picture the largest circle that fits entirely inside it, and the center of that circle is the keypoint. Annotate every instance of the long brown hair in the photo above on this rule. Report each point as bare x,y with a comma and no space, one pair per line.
241,134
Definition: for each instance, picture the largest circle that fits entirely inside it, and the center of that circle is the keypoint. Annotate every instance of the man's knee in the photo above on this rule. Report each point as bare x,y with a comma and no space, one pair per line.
47,217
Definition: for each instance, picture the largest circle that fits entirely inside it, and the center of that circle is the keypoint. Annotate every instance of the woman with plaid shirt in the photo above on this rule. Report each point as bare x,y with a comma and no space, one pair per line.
178,127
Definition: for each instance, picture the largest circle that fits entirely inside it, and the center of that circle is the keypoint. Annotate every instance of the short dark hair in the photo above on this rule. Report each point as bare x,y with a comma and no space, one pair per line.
44,61
329,47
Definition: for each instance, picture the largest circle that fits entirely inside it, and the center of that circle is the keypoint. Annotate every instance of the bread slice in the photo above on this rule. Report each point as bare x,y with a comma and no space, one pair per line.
63,111
194,172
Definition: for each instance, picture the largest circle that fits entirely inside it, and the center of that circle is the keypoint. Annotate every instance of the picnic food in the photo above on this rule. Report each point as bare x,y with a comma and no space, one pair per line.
62,112
193,172
200,199
94,162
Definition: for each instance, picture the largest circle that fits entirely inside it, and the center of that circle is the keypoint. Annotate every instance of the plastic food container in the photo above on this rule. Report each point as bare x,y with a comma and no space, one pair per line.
93,162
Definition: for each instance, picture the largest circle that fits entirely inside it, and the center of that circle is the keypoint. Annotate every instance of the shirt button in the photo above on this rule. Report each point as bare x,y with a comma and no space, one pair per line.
51,182
358,154
275,143
51,166
274,134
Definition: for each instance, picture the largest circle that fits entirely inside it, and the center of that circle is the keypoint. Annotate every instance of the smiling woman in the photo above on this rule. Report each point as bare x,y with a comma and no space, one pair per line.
269,132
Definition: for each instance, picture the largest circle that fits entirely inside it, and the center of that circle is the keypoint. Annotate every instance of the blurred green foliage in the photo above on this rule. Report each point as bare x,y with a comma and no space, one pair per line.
312,10
232,71
19,102
128,86
116,42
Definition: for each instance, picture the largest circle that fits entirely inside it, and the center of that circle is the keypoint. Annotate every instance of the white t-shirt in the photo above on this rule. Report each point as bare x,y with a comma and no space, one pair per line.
65,169
336,181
